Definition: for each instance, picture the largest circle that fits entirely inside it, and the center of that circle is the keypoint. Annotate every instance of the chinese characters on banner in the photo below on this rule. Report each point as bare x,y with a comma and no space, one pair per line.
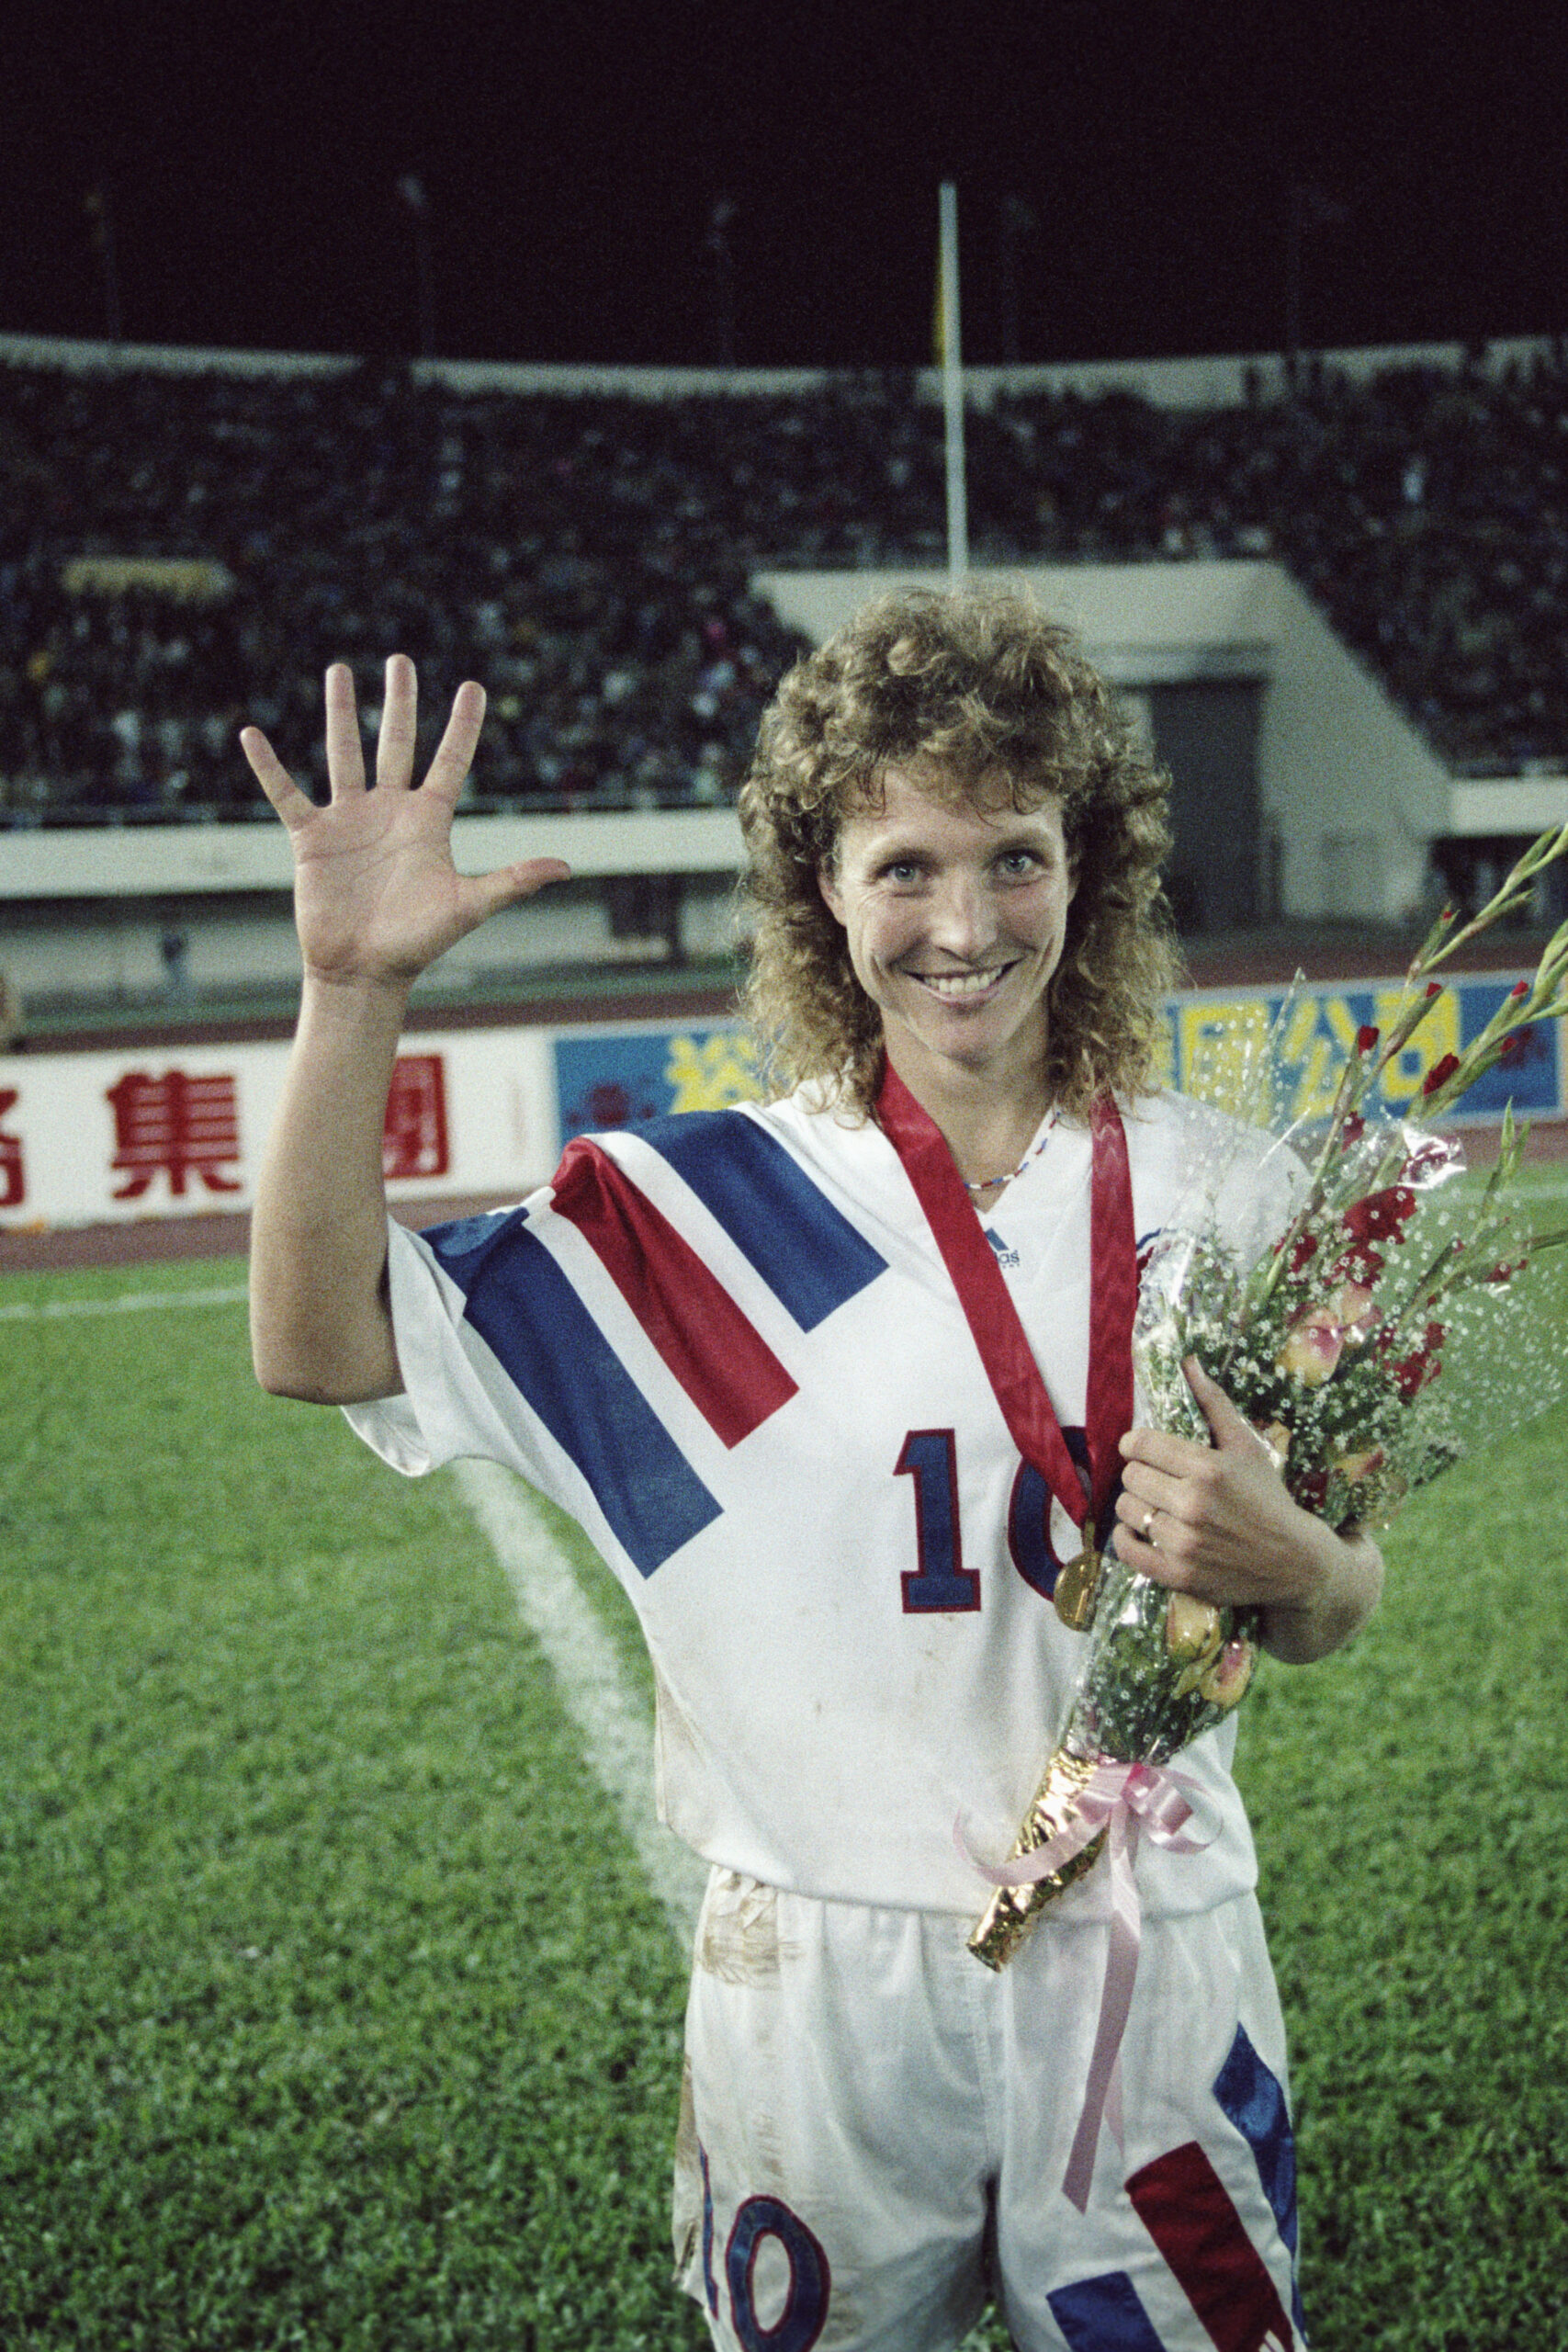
179,1126
1213,1034
12,1181
176,1138
174,1126
99,1136
414,1142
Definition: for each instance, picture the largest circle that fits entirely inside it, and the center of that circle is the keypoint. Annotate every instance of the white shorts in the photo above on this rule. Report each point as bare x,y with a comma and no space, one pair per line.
872,2120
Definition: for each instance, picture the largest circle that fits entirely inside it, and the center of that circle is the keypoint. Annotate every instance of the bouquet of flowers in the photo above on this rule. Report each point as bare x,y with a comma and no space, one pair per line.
1372,1341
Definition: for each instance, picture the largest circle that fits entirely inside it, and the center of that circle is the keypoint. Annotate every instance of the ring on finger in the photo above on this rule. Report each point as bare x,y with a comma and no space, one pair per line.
1148,1522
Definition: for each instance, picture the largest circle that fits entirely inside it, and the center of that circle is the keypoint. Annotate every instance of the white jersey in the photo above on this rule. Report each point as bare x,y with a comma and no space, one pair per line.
727,1344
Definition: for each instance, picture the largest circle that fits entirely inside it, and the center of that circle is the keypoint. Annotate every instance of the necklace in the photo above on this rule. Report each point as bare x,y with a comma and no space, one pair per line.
984,1183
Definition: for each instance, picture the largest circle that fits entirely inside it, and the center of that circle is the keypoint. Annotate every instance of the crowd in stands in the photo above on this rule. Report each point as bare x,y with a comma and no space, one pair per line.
589,557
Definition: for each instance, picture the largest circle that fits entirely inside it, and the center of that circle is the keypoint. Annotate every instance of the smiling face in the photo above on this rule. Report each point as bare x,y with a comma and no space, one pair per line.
955,912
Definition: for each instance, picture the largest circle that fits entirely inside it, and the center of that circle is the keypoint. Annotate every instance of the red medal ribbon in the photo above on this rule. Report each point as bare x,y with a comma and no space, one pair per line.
992,1318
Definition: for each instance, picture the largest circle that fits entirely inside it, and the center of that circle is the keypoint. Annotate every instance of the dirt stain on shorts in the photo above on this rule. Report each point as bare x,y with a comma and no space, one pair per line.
737,1934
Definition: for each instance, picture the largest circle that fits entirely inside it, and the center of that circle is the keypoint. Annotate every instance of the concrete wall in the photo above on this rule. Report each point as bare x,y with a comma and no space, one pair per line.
1217,381
130,861
84,911
113,949
1350,794
1508,805
1142,623
1350,790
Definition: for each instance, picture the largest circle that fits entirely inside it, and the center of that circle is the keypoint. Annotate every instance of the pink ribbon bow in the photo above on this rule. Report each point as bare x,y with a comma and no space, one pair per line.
1123,1799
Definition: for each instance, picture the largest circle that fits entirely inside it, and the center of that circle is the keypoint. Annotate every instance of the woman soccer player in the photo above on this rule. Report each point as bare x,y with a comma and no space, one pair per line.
755,1353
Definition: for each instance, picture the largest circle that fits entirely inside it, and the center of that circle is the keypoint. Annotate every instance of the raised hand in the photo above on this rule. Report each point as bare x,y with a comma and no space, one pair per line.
377,896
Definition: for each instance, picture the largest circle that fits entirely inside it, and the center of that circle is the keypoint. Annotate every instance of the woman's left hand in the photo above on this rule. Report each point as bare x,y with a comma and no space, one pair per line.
1218,1521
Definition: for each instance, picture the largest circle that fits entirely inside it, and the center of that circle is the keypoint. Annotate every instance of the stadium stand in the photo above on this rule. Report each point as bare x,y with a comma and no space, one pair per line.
182,550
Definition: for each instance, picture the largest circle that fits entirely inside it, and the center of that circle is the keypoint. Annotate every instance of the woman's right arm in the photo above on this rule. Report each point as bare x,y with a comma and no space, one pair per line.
376,901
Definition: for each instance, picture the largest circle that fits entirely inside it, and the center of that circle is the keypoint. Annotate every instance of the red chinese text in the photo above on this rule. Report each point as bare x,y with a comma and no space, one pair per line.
414,1143
13,1177
174,1126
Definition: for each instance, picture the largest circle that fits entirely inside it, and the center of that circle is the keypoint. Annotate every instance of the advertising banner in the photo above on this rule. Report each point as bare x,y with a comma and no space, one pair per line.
105,1137
614,1078
1211,1029
109,1136
617,1078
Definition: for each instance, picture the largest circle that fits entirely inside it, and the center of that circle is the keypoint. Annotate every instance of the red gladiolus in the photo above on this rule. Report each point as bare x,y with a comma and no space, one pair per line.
1304,1251
1380,1216
1413,1372
1366,1038
1439,1074
1355,1128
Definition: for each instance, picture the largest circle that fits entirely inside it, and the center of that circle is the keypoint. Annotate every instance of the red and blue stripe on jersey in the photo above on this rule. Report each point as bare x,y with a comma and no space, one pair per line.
523,1306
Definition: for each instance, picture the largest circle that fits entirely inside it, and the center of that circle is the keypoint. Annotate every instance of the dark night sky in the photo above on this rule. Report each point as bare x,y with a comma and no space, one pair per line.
572,155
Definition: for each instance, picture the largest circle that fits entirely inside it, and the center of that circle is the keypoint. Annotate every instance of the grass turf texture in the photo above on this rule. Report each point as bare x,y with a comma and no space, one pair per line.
333,2011
312,2026
1410,1798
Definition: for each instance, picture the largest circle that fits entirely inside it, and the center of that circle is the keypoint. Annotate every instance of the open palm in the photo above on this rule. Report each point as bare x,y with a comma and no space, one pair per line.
376,895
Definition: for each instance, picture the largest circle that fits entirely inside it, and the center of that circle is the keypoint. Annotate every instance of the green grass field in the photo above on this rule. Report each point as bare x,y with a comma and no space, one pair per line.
317,2029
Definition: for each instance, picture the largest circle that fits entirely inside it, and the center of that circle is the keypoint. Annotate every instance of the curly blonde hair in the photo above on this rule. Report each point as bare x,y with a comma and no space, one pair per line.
971,683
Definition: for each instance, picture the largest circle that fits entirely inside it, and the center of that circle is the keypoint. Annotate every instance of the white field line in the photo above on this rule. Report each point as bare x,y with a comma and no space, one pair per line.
131,1302
617,1737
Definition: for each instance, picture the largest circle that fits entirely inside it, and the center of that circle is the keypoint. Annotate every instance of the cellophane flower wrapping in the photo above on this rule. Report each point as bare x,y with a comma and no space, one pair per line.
1395,1319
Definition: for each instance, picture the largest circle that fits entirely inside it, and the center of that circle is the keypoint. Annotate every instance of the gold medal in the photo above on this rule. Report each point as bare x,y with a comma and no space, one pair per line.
1077,1586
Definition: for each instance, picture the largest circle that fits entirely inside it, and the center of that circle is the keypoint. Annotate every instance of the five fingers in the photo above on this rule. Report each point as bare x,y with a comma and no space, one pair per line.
394,743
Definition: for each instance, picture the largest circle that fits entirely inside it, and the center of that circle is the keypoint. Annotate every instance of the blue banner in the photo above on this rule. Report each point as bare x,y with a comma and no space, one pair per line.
619,1077
1214,1035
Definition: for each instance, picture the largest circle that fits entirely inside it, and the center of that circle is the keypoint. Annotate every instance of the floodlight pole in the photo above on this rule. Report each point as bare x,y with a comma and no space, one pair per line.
720,222
953,391
410,188
98,205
